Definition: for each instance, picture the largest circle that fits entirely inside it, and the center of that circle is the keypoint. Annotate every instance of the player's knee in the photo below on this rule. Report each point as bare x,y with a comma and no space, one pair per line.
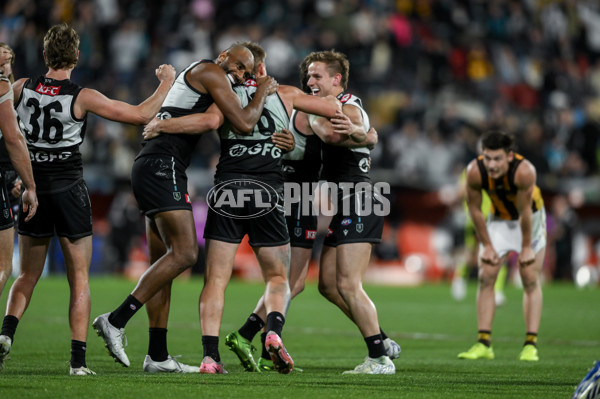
5,270
529,282
346,287
486,280
186,258
327,290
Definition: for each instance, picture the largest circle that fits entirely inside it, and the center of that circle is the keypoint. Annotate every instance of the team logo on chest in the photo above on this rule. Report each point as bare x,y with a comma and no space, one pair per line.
363,165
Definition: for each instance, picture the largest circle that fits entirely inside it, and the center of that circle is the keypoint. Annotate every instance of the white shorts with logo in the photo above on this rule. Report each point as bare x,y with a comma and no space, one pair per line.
506,236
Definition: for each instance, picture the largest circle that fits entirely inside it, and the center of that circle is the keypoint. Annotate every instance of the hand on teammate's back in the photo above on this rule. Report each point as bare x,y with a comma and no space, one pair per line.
151,129
284,140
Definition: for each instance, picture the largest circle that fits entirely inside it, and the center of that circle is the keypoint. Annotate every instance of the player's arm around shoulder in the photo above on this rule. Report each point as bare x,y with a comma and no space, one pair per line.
189,124
351,123
321,106
90,100
212,79
345,128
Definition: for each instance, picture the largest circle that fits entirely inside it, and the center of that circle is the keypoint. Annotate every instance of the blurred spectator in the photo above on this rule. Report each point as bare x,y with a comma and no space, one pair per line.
432,75
561,234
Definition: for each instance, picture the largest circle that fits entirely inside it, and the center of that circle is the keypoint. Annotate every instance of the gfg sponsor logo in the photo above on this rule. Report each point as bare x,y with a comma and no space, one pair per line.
262,149
243,199
39,156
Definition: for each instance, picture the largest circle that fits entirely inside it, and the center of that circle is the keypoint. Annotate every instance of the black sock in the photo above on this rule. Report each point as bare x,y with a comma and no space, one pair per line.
9,326
77,354
157,344
531,339
251,327
265,353
275,322
210,345
123,313
485,337
383,335
375,346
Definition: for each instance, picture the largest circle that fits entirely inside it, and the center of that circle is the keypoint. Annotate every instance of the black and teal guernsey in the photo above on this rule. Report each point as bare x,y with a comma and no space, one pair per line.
52,131
253,155
182,100
342,164
303,163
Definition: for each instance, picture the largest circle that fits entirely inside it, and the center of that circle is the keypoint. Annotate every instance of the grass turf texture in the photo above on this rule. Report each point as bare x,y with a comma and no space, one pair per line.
431,328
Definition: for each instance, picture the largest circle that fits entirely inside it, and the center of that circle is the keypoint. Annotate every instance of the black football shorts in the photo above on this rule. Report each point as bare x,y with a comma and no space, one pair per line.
244,206
159,184
67,211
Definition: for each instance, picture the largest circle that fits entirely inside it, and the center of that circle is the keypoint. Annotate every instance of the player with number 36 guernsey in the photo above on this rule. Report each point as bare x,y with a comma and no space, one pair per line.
52,113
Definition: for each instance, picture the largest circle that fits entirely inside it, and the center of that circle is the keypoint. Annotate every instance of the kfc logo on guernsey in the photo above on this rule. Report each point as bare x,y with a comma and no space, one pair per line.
250,83
47,90
345,98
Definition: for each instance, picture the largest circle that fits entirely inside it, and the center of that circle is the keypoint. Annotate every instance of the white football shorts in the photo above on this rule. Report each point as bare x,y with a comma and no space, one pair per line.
506,236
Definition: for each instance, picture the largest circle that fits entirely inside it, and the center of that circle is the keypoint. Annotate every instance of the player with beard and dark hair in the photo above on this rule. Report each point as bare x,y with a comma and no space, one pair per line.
159,183
254,157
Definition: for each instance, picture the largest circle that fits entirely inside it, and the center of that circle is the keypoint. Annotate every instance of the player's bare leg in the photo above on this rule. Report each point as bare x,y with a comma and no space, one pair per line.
299,262
178,233
352,263
532,292
157,307
532,305
486,303
7,243
274,263
32,252
78,255
219,266
328,280
158,359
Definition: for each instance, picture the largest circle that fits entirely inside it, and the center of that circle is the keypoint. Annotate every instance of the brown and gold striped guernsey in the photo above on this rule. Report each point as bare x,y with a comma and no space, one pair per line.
503,191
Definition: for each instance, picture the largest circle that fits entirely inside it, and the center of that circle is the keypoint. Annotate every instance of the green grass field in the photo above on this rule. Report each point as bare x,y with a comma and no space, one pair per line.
430,326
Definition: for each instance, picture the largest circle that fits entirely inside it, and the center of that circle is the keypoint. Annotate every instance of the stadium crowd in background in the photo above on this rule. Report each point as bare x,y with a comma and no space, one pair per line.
433,74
